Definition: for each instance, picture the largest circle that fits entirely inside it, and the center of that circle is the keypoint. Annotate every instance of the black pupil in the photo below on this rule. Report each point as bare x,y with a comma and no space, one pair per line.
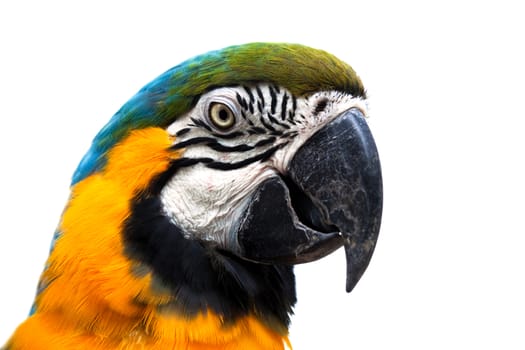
223,114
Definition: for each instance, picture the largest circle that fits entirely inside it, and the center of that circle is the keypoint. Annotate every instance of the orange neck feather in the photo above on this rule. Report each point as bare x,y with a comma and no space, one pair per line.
93,296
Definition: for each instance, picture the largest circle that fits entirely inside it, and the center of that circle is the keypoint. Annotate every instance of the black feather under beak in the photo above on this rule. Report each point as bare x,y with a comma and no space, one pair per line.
331,197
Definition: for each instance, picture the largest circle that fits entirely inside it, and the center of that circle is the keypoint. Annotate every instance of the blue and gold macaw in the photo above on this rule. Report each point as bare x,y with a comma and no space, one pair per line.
194,202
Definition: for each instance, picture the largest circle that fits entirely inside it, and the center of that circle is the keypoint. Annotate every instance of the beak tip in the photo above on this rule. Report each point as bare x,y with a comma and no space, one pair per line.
357,259
353,277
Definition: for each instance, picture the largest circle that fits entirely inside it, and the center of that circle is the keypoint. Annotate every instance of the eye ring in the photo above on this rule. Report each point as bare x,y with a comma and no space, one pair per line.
221,116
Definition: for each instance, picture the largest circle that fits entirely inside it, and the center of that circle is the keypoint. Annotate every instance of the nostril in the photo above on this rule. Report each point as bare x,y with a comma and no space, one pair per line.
321,105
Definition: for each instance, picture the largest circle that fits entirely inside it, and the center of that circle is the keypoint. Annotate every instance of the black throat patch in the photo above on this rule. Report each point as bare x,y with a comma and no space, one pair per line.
201,277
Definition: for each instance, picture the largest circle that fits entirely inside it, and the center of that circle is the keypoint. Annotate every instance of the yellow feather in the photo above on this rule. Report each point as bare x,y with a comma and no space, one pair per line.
93,300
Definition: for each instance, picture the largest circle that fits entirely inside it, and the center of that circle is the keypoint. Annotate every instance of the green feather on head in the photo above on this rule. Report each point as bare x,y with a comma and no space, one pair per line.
300,69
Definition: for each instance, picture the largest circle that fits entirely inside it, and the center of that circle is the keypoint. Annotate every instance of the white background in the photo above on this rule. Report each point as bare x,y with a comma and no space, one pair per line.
447,94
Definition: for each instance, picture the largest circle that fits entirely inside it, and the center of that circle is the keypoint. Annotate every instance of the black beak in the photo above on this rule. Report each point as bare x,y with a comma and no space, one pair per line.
331,196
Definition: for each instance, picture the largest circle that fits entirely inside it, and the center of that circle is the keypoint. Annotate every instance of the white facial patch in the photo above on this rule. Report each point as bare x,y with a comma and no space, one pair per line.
206,202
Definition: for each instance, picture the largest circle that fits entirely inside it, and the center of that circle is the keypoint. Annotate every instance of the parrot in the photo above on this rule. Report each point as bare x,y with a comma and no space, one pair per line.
193,204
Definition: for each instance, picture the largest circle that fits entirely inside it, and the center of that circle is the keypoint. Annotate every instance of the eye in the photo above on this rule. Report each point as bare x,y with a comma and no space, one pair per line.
221,115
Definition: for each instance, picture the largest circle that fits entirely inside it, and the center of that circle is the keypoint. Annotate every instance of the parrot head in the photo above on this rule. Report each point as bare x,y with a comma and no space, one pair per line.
197,198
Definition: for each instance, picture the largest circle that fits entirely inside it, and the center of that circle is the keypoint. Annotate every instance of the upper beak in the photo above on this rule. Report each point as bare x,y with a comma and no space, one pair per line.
332,196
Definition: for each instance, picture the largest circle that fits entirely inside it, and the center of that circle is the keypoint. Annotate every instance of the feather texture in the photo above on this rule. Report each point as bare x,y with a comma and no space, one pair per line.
121,274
